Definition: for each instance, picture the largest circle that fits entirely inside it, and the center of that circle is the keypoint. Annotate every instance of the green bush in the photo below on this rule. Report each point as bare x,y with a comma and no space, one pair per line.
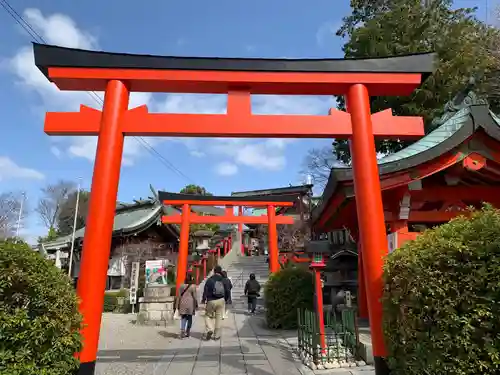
442,299
111,303
39,318
171,275
287,290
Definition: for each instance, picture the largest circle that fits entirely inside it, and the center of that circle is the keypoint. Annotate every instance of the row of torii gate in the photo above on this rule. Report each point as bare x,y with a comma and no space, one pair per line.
187,217
120,74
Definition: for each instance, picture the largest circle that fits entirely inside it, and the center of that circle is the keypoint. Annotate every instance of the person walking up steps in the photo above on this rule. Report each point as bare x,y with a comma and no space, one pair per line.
229,302
215,295
186,305
252,289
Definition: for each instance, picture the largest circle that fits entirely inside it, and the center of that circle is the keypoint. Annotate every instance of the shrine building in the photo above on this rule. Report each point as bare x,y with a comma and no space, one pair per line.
428,183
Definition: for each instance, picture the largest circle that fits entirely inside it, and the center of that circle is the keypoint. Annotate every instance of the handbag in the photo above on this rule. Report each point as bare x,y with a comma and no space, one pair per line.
176,312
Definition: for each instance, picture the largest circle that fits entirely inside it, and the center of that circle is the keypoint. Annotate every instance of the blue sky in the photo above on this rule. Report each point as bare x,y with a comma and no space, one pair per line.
29,159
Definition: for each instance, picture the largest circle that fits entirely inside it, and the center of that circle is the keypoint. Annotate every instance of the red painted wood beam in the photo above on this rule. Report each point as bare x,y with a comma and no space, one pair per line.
333,208
226,219
420,172
296,259
220,82
428,216
445,193
196,202
237,123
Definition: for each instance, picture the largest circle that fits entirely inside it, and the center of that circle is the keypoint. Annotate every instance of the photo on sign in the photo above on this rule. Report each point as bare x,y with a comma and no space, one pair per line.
156,272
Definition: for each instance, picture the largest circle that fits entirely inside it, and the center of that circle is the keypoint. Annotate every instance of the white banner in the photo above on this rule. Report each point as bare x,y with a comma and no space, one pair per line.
134,282
116,266
392,240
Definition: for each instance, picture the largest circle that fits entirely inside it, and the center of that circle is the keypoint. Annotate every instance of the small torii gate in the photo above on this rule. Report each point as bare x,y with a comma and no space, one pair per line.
186,217
119,74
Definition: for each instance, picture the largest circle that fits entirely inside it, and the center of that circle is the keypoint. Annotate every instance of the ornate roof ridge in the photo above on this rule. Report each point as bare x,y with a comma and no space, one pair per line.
463,99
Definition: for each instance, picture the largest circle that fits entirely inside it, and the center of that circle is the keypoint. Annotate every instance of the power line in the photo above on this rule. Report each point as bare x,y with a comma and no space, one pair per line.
39,39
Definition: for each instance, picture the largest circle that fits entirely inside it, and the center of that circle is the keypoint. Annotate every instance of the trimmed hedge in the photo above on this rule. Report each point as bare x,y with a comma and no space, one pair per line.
111,301
442,299
285,291
39,318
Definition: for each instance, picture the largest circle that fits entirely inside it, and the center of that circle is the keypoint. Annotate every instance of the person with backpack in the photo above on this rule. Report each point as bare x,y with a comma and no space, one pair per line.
186,305
252,289
215,295
229,285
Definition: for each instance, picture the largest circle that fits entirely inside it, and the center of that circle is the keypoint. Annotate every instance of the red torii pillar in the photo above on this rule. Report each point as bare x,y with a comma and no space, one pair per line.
71,69
226,245
317,264
240,230
362,301
272,238
204,262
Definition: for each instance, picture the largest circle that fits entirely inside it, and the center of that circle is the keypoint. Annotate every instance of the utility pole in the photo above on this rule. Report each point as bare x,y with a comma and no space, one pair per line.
74,229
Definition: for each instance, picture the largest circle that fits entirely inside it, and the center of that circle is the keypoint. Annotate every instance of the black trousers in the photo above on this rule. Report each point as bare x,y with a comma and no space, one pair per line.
252,303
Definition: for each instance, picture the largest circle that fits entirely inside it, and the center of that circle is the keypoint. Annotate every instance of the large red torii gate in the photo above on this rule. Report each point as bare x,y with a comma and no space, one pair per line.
186,217
120,74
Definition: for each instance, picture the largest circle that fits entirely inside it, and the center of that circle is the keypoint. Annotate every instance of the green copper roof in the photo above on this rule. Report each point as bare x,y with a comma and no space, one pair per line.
299,189
462,117
127,220
432,139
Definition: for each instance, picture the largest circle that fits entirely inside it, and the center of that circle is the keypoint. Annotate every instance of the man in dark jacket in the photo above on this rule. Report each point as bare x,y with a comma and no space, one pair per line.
252,289
215,295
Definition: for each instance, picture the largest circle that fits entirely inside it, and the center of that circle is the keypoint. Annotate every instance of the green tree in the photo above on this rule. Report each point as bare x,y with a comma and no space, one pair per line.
194,190
378,28
199,190
51,236
66,215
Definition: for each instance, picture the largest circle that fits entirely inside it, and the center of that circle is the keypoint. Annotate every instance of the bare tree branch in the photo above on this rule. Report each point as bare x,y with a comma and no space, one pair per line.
54,196
67,211
318,163
10,205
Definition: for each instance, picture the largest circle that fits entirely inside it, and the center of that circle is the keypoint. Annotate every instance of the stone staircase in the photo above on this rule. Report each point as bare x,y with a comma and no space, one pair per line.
238,270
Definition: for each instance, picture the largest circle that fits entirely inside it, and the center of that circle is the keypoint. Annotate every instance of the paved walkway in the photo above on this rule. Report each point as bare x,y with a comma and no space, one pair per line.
246,347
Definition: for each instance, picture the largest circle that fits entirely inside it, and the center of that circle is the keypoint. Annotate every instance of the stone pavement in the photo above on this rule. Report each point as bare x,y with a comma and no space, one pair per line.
246,347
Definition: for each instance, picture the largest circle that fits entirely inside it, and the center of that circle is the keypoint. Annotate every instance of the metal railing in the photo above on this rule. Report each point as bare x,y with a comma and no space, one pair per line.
341,336
239,281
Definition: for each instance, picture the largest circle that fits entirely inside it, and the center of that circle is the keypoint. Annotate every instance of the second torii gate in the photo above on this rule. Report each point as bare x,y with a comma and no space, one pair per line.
186,217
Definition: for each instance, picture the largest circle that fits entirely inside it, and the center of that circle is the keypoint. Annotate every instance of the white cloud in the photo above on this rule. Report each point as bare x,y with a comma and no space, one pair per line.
257,154
226,169
55,151
10,170
197,154
59,29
